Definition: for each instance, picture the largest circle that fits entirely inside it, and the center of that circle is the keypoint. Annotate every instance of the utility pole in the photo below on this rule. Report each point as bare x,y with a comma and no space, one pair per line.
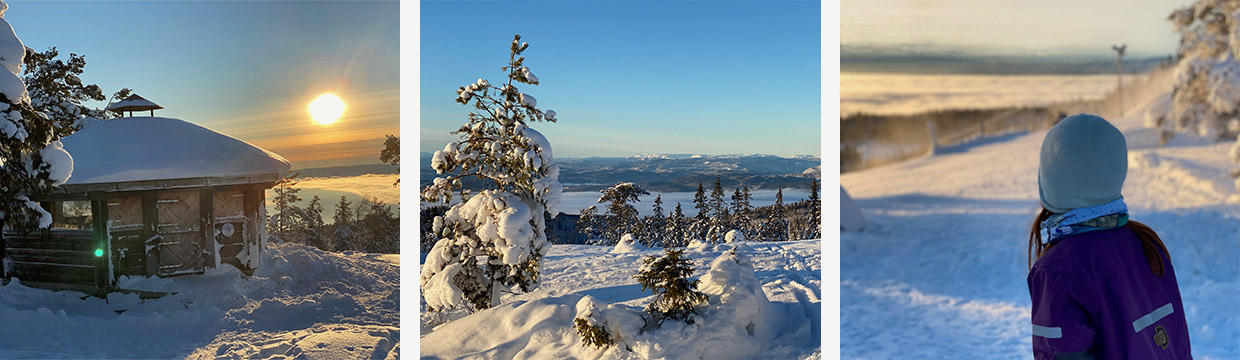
1119,63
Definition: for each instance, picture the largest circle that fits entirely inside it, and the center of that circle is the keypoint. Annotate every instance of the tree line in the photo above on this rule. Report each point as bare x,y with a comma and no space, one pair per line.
368,226
717,213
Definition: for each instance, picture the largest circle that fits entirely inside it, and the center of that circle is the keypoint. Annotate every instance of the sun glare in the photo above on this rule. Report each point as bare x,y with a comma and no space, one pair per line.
326,109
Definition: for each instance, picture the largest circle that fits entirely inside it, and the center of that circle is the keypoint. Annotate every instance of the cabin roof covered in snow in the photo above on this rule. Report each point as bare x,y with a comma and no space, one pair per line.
134,103
155,148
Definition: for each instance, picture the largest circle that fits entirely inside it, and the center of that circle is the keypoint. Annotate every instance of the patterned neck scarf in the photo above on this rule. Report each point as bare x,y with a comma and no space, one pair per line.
1076,221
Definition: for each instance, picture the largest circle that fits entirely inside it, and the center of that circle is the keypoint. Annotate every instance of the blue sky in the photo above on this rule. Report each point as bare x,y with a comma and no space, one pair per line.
636,77
246,69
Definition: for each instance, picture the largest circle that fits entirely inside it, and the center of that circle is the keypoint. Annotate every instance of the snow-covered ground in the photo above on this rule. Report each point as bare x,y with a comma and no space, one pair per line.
300,303
939,271
539,324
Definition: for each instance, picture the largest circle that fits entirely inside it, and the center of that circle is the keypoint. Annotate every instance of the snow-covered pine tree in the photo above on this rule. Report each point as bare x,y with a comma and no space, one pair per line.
1206,97
737,206
32,160
56,89
379,230
777,226
700,224
668,278
655,225
494,240
719,217
342,232
746,214
815,210
621,216
391,153
343,214
311,225
676,234
283,223
589,223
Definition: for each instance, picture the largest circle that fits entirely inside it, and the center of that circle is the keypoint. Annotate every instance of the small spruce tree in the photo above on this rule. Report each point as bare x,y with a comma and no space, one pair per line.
668,278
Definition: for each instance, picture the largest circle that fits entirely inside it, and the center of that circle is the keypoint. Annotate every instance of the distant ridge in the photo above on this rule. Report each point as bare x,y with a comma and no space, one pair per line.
351,170
678,172
988,65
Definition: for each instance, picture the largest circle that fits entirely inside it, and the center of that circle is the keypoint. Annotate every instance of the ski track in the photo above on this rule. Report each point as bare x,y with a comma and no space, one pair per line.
939,271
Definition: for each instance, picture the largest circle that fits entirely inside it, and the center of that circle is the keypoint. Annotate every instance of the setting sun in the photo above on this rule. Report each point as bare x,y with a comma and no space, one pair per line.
326,109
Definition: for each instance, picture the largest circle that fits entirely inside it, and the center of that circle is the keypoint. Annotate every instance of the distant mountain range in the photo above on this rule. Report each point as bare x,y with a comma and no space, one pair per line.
345,171
859,60
678,172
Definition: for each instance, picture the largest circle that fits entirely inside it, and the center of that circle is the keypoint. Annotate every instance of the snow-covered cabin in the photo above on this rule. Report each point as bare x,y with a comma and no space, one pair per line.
148,196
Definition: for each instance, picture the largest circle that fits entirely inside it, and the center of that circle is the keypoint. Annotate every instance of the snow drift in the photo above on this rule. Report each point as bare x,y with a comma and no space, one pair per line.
763,302
301,303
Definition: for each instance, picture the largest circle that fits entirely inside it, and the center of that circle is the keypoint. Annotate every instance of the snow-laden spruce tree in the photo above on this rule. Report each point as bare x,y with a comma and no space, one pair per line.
668,278
494,240
621,215
1206,98
32,160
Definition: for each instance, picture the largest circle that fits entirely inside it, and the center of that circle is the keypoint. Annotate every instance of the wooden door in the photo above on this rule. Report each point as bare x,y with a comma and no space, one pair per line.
228,210
180,227
125,226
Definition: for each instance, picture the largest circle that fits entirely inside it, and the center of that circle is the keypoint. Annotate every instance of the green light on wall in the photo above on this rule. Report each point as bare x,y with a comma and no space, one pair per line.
98,252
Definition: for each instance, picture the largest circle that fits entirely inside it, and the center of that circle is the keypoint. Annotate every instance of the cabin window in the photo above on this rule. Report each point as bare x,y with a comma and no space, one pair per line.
74,215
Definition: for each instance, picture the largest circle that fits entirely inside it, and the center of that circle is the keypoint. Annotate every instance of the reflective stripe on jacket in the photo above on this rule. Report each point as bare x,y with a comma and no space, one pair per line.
1094,296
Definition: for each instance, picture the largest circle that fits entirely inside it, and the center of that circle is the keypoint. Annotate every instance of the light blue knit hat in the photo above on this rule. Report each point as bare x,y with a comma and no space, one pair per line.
1084,162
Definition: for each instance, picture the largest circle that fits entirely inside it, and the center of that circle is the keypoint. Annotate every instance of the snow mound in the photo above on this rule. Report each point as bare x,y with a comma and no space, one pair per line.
628,245
153,148
734,237
737,310
850,215
319,342
704,247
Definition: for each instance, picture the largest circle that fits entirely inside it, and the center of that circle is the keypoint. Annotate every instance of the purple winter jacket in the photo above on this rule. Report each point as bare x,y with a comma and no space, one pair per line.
1094,296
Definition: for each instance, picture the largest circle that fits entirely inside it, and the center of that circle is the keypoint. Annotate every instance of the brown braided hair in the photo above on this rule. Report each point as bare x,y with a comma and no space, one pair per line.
1150,243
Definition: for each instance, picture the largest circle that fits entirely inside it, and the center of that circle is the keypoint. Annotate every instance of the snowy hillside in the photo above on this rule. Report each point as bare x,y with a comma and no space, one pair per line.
300,303
539,324
941,265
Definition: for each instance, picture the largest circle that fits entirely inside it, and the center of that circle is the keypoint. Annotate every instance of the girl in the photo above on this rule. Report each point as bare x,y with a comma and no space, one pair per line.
1102,285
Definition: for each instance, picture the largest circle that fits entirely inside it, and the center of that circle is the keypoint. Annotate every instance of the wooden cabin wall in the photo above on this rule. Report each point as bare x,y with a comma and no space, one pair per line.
52,256
125,225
